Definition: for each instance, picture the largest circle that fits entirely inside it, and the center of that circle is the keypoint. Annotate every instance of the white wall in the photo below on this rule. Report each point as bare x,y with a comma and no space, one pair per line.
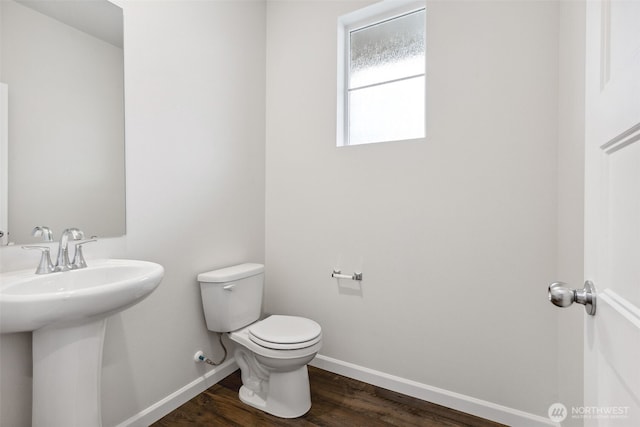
571,199
195,195
66,115
3,148
456,237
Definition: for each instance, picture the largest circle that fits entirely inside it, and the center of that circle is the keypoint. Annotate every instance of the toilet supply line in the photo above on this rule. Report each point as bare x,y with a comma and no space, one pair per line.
201,357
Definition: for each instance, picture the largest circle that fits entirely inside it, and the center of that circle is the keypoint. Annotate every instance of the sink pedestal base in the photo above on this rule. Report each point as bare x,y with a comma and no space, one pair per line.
67,366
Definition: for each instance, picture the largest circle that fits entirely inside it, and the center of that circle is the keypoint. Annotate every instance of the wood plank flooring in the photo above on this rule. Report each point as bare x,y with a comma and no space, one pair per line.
335,401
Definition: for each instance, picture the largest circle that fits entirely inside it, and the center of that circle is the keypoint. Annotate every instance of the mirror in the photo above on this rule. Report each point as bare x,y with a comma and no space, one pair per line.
61,67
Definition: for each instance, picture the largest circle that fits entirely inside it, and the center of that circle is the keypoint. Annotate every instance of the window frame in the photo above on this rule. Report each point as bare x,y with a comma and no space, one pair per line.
359,19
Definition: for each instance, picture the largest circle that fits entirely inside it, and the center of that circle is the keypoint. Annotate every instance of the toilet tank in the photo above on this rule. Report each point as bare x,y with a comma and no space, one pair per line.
232,296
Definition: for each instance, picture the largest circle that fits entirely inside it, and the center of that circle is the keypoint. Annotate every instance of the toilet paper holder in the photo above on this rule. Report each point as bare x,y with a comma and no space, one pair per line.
337,274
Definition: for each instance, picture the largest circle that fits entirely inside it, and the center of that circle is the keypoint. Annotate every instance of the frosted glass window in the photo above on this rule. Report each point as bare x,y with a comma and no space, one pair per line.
386,51
389,112
385,80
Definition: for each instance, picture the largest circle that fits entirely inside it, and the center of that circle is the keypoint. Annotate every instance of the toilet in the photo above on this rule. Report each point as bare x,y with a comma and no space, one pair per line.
272,353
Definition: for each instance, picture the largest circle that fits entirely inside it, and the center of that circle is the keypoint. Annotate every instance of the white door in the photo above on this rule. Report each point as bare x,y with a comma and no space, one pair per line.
612,213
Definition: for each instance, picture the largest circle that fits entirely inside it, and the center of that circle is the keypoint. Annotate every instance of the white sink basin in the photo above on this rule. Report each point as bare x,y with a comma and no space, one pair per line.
67,313
30,301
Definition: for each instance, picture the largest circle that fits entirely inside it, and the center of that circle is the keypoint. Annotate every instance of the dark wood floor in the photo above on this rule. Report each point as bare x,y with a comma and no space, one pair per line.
335,401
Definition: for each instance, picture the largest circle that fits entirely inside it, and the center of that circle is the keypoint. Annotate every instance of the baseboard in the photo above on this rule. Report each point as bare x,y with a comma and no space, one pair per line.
457,401
161,408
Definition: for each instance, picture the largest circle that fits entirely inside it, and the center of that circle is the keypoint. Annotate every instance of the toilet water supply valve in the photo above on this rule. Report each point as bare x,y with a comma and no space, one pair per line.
201,357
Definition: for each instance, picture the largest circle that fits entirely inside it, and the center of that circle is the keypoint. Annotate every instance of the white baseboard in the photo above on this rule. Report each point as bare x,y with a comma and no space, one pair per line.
457,401
161,408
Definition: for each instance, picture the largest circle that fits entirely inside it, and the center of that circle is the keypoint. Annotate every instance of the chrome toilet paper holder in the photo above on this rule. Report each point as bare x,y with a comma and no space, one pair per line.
337,274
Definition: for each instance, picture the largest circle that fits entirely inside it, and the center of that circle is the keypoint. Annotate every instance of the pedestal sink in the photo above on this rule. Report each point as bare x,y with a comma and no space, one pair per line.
67,313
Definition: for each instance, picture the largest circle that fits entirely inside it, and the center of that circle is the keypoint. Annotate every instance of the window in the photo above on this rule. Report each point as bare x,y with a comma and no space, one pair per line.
382,74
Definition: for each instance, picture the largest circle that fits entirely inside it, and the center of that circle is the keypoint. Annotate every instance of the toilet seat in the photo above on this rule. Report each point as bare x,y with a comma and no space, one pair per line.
285,332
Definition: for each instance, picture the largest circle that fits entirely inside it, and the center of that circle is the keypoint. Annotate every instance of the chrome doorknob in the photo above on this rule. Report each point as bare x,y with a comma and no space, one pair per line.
563,296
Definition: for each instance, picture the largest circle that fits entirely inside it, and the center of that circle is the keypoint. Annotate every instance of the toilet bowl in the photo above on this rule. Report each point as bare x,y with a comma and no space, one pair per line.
276,380
272,353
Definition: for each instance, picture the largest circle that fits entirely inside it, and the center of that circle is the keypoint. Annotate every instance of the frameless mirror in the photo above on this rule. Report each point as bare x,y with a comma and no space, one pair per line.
61,65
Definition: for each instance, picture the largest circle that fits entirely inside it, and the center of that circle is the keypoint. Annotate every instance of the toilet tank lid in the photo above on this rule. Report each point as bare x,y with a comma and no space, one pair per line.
229,274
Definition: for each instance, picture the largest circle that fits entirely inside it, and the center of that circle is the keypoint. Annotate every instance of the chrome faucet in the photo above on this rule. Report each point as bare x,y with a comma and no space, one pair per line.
45,266
63,263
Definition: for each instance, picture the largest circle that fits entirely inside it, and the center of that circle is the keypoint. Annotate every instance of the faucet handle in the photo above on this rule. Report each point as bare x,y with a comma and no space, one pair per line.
44,231
78,257
45,266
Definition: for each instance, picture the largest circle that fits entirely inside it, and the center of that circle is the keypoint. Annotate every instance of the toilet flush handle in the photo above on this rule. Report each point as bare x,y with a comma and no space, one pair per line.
228,287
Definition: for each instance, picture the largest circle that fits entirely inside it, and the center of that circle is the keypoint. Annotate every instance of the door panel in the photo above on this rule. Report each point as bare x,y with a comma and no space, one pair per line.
624,227
612,212
616,376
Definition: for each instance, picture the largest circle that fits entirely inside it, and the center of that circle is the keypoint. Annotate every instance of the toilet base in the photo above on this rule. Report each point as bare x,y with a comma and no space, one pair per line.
288,395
